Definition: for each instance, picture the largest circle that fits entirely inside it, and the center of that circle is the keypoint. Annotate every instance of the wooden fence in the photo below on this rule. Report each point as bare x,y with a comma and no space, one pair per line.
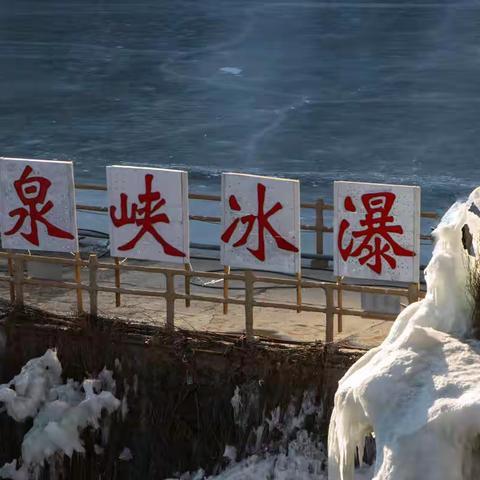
332,308
319,226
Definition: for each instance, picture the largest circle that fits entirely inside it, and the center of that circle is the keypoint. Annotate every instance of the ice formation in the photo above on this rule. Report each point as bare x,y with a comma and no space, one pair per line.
60,411
296,455
419,391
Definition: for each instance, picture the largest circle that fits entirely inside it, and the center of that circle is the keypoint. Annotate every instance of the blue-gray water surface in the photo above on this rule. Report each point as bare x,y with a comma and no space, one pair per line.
319,91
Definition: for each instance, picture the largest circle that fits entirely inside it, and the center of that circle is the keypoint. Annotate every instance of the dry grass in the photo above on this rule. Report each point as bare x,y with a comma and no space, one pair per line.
473,288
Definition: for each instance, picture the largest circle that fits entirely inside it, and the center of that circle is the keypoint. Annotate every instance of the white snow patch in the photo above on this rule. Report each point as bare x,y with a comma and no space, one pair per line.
236,403
126,455
118,365
23,396
59,411
98,449
230,453
419,392
124,409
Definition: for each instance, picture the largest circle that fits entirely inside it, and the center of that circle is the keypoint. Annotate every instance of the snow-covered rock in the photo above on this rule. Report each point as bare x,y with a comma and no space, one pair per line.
419,392
60,411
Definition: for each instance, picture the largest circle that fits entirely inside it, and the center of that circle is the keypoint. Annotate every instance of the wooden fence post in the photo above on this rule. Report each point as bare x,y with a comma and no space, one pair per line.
413,291
170,299
319,225
226,281
11,273
188,269
118,297
340,304
299,292
329,315
18,277
92,271
78,280
249,299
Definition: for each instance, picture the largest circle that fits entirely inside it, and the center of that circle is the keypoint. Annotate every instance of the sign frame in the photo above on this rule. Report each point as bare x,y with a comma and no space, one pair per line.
174,232
407,268
231,256
59,183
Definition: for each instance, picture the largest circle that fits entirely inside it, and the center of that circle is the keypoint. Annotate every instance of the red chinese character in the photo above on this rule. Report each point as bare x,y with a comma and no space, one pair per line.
144,217
32,192
263,222
376,238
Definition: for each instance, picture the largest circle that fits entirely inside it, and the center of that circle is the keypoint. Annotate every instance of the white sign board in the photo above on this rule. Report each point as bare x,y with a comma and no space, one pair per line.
148,210
376,231
38,205
260,223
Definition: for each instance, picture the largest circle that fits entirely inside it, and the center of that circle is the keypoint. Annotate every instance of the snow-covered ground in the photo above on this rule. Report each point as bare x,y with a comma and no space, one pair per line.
419,392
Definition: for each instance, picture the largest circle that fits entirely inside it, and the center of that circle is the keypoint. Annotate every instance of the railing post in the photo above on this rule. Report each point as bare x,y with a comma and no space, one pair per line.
188,269
78,281
319,225
226,281
11,274
249,299
339,304
170,299
413,291
93,290
329,315
118,297
18,277
299,292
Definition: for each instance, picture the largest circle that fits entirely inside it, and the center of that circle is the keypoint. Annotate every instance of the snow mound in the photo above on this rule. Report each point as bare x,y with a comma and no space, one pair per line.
419,392
60,411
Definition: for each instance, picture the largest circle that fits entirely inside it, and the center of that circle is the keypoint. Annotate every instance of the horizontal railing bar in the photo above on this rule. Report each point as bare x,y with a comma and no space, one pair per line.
131,291
204,196
292,282
289,306
432,215
324,285
192,196
205,218
42,259
169,270
90,186
400,292
363,313
91,208
54,283
218,198
200,218
209,219
209,298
